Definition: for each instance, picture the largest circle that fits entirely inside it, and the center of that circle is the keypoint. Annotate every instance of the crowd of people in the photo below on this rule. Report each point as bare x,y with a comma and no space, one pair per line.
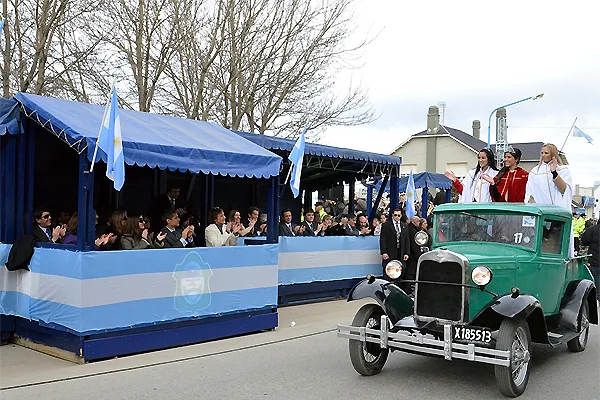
166,225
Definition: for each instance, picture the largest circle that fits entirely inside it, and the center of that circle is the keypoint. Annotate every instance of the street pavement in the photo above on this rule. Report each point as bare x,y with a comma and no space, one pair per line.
306,361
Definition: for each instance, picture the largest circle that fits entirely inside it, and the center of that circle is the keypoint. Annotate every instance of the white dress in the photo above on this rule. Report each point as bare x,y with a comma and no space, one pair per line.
541,187
542,190
476,190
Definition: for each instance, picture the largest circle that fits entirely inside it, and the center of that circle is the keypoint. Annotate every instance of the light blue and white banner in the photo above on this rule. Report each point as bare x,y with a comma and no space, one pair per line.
330,258
97,291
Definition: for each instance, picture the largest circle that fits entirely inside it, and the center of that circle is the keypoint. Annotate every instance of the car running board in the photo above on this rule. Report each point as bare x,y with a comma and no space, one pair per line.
561,336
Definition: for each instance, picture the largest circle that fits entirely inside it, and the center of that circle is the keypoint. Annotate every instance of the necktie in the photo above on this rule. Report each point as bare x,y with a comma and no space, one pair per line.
48,233
172,204
398,234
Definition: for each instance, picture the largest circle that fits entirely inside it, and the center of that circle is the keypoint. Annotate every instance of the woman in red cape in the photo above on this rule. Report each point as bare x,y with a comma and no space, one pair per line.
510,182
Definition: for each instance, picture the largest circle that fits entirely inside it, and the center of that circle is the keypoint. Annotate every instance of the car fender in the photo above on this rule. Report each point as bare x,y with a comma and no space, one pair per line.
394,301
521,307
570,304
518,307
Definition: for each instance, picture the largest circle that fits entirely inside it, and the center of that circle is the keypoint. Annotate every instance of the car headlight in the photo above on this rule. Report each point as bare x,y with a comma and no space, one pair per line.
421,238
481,275
393,269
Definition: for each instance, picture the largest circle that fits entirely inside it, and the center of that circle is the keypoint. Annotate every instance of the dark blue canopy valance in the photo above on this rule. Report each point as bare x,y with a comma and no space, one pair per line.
155,140
9,117
276,143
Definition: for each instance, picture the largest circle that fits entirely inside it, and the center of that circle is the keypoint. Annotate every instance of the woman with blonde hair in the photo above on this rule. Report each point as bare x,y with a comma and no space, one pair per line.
550,182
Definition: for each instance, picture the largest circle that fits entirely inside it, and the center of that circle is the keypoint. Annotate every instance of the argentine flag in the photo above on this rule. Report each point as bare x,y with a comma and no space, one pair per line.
411,193
296,157
109,140
579,133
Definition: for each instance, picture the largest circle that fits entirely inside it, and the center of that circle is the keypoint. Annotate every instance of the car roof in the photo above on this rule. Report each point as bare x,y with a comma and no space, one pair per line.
535,209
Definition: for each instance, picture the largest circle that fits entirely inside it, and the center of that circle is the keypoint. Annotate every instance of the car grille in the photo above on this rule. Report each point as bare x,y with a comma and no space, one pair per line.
435,300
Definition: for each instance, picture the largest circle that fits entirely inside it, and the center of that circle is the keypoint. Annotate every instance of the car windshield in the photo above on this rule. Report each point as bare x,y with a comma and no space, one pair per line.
515,229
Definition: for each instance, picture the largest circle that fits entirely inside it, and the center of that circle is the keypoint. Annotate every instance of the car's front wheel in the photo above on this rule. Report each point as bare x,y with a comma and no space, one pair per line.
579,343
367,358
515,337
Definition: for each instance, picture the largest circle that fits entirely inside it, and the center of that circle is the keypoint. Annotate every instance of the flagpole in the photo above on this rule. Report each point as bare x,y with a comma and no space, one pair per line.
289,174
567,138
106,110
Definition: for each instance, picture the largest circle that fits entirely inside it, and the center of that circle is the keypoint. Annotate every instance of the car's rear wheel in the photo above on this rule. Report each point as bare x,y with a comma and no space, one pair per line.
515,337
579,343
367,358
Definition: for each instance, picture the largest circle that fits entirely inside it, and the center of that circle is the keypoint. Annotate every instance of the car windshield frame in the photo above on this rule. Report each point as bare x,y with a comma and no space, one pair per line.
514,229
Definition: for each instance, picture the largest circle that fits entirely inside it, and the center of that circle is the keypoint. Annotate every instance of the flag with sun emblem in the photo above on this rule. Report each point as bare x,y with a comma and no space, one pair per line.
411,193
109,140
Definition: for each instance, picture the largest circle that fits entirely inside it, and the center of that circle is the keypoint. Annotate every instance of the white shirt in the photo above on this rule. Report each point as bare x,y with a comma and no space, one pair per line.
475,188
543,190
541,187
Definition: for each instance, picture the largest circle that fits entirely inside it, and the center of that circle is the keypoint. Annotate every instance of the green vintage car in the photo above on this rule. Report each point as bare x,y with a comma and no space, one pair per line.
498,278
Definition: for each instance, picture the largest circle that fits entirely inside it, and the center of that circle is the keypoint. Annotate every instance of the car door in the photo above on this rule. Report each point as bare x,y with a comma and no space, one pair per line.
551,265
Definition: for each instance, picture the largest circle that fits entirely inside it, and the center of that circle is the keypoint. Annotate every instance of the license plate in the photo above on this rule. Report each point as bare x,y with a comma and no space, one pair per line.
471,334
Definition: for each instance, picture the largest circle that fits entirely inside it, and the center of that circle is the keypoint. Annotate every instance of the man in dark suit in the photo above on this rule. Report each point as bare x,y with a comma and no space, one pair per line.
170,201
42,231
311,228
394,242
286,227
173,236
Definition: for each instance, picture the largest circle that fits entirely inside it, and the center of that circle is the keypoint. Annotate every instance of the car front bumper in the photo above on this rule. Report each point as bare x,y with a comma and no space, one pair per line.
415,342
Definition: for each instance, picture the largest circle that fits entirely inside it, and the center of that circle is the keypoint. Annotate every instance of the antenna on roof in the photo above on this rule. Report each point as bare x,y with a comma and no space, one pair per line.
442,106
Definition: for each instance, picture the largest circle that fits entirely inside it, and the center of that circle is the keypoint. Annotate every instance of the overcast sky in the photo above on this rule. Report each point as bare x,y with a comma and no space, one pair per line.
476,56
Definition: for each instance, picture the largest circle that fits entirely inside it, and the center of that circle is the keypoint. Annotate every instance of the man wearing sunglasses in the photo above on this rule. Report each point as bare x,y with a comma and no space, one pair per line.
42,231
393,240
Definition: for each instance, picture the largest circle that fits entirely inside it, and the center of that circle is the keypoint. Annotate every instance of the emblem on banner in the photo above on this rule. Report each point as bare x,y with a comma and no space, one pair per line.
192,292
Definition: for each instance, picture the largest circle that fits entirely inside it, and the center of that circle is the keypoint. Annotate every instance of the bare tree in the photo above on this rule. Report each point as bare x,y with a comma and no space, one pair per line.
280,69
142,38
200,37
32,60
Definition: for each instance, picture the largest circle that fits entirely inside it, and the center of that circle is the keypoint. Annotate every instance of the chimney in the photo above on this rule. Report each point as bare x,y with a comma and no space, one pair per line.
476,129
433,120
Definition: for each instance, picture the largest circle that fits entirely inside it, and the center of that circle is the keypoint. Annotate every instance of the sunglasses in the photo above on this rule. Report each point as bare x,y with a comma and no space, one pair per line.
397,215
144,221
46,216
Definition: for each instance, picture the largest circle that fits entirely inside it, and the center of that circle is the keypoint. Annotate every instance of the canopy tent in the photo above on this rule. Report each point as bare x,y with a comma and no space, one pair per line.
327,165
148,140
422,180
426,180
155,140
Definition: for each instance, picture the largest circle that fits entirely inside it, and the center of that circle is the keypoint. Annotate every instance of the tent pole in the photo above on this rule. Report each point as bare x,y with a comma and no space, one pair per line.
394,192
30,177
81,204
273,209
20,181
370,212
384,183
351,193
424,202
